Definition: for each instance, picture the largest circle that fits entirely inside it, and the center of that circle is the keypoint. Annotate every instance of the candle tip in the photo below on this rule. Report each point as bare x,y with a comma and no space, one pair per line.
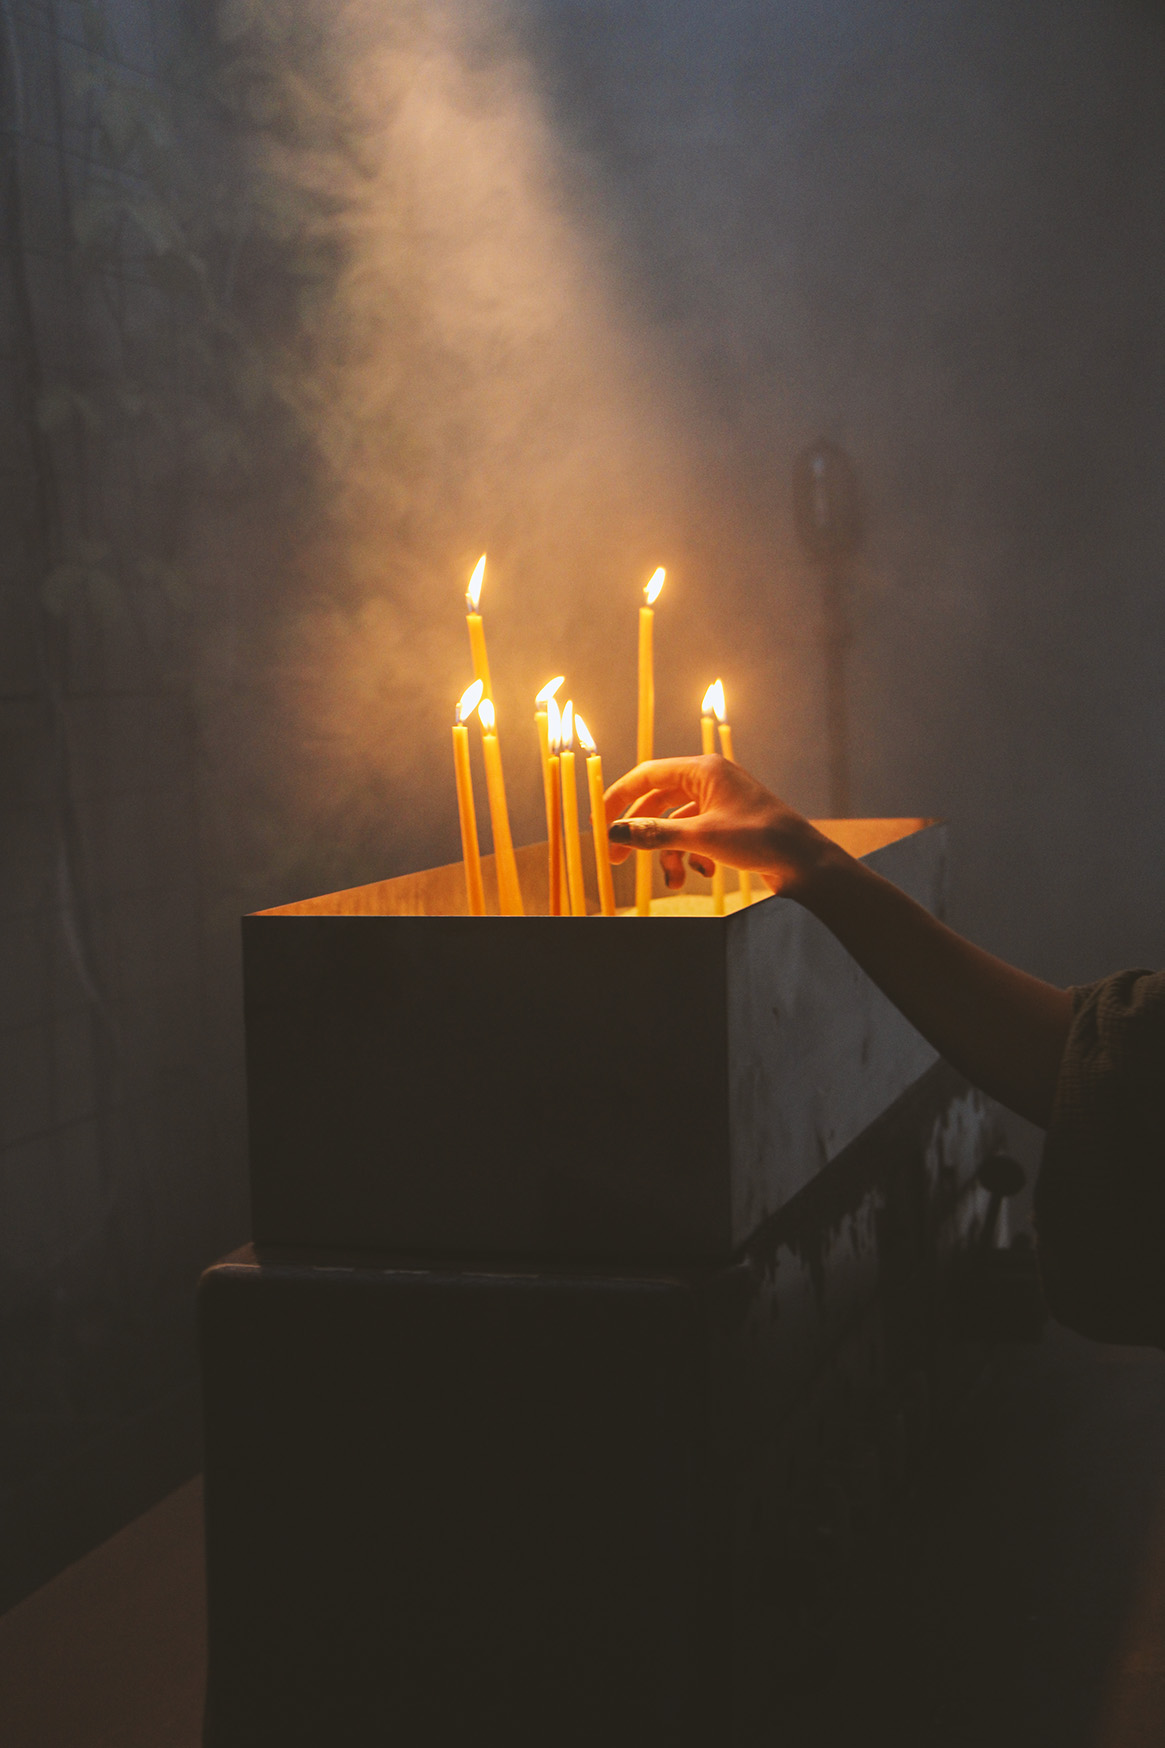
713,704
485,712
469,701
585,738
549,689
566,732
473,593
654,585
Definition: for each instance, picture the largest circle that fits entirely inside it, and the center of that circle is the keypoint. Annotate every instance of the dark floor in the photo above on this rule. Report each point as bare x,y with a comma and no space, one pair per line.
1024,1603
111,1653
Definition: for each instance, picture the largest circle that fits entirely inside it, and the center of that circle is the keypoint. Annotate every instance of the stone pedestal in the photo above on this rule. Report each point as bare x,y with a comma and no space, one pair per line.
561,1087
599,1306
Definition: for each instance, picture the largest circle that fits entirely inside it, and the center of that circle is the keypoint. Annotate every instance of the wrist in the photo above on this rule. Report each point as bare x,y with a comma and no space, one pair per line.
824,875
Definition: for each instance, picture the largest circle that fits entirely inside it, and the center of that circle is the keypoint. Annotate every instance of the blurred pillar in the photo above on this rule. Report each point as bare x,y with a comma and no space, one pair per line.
827,516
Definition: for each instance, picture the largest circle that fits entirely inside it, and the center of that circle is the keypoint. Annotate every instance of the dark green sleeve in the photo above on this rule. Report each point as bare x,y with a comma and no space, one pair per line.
1100,1199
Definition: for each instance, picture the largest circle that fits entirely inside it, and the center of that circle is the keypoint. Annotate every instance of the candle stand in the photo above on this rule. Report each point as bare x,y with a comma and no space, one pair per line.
597,1312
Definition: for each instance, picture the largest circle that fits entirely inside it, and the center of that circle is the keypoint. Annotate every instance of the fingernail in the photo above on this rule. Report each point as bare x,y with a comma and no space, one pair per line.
620,832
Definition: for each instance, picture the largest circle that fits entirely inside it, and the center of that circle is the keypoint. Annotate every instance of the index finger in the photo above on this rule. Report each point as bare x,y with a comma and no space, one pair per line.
677,780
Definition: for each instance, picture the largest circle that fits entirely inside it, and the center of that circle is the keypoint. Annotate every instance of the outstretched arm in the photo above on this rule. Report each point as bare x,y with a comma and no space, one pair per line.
1004,1030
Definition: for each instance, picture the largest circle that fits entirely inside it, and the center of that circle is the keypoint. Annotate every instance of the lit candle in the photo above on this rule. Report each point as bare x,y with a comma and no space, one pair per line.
548,722
574,867
509,891
726,749
598,818
708,745
561,901
646,739
476,628
471,855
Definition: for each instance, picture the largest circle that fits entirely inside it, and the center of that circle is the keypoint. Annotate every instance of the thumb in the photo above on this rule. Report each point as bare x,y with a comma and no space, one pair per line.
653,834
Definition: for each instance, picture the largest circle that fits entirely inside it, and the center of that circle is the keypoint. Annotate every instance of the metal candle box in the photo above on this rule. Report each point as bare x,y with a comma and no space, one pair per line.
424,1082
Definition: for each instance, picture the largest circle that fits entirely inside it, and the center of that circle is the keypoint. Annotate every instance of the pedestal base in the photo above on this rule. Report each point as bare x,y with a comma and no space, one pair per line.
572,1506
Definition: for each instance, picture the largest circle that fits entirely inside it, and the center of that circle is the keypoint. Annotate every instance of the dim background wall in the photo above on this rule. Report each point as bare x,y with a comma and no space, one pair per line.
239,499
937,235
121,1164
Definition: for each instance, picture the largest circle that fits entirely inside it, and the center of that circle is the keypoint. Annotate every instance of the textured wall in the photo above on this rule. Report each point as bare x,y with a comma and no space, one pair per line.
936,234
120,1163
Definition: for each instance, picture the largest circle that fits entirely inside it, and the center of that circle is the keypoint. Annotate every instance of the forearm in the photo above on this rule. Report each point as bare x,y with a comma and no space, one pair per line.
1004,1030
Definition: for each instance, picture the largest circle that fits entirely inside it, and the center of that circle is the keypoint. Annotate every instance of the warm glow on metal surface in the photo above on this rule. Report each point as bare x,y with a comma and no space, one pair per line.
549,689
586,739
566,733
654,585
470,699
473,593
713,704
485,711
554,725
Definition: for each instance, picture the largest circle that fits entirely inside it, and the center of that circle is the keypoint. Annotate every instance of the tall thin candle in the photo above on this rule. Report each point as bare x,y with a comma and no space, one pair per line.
646,726
547,721
471,855
509,891
477,628
708,745
574,867
726,749
598,818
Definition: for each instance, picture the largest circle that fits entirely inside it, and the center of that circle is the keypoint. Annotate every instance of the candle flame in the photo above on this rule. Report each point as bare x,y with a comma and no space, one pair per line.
566,733
473,593
713,704
554,724
549,689
469,701
654,585
586,739
485,711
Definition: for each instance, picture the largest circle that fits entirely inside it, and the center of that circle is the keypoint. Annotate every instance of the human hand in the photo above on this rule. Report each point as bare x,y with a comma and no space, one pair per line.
715,812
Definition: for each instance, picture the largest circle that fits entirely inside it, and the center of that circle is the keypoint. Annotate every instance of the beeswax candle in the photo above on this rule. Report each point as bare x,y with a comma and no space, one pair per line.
598,818
574,867
471,855
726,749
646,722
477,628
509,891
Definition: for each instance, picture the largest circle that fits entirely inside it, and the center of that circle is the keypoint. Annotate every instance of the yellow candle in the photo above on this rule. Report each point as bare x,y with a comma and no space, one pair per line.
726,749
509,891
574,867
646,727
708,745
474,890
476,627
548,737
598,818
559,900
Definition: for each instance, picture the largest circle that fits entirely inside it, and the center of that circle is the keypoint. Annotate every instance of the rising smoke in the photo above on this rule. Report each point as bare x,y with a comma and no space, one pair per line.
471,378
